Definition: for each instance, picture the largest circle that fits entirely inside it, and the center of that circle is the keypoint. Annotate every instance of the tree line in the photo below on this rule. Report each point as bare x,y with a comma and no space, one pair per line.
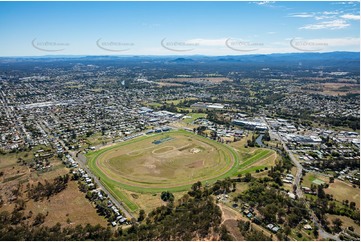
40,191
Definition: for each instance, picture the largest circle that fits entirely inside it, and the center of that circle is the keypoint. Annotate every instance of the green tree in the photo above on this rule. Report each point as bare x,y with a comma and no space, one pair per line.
247,177
39,219
167,196
141,215
337,223
315,231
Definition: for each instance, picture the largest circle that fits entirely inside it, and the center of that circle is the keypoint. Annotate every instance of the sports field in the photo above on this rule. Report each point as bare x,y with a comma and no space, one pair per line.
170,161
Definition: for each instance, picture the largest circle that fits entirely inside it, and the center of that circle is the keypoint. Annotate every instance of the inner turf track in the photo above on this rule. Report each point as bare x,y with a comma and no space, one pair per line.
139,165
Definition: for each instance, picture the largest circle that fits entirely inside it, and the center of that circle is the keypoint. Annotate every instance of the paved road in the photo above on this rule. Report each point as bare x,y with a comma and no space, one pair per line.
298,176
322,233
82,161
297,180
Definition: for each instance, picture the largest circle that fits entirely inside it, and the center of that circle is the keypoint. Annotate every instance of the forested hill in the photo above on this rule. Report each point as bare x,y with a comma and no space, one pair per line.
341,61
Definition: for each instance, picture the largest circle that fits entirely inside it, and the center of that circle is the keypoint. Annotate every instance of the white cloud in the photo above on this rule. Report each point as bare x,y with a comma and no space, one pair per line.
301,15
264,2
324,17
331,12
346,3
327,15
351,16
334,24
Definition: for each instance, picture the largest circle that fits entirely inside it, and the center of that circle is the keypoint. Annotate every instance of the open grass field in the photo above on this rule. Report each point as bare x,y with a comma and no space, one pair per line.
177,101
313,178
154,105
69,207
180,160
149,201
259,154
252,159
10,159
96,139
194,116
344,191
259,160
195,79
333,89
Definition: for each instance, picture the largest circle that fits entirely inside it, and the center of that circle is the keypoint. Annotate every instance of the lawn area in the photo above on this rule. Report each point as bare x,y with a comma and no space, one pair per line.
258,155
154,105
305,235
252,159
239,146
10,159
313,178
194,116
96,139
241,187
342,191
177,101
252,169
149,201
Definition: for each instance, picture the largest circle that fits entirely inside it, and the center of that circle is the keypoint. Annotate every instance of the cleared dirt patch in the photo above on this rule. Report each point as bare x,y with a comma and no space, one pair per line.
69,204
344,191
332,89
135,153
195,150
163,150
69,207
196,164
186,147
230,215
232,228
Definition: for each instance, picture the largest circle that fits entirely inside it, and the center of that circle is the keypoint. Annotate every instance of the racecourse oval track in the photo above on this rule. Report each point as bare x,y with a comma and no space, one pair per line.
168,161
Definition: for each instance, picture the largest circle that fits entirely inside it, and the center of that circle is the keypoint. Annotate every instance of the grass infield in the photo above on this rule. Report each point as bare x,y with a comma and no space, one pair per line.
183,158
139,165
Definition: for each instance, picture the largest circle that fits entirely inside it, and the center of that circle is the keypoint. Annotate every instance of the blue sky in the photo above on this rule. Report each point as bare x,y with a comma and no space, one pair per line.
177,28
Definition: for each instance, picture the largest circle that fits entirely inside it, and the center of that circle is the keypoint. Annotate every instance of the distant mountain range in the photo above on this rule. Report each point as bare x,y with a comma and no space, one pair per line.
347,61
191,58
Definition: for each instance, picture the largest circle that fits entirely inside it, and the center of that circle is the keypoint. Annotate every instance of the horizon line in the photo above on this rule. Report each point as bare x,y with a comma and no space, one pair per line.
170,55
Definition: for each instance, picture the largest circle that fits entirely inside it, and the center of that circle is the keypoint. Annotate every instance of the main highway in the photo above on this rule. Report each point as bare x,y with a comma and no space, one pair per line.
297,180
